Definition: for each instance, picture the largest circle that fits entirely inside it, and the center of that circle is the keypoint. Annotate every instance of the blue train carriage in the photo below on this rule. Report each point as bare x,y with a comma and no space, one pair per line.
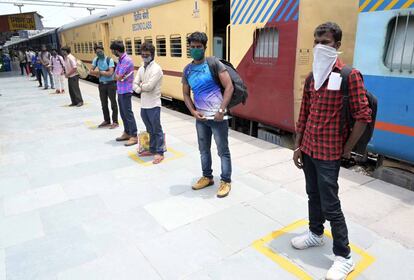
384,52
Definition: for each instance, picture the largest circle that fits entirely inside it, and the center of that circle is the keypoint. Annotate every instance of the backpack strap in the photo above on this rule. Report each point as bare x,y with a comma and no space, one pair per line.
212,65
345,112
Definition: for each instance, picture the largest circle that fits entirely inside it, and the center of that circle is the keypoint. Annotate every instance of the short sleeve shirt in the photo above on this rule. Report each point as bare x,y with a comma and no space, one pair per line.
207,93
125,67
70,64
102,65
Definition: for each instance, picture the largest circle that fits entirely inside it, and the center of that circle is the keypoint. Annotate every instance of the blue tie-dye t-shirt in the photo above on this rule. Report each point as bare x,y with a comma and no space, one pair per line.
207,93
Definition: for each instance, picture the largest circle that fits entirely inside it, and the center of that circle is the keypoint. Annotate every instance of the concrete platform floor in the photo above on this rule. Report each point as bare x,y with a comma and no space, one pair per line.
75,204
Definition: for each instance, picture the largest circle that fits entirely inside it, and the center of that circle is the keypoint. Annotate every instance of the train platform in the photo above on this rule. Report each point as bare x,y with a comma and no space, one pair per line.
75,204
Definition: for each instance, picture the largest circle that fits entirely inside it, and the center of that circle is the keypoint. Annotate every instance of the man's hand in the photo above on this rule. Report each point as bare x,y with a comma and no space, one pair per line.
218,117
347,153
199,116
298,159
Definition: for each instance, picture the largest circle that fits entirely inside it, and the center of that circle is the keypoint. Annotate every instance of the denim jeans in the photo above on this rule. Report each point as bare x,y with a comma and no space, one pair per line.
127,115
47,73
205,129
322,189
152,121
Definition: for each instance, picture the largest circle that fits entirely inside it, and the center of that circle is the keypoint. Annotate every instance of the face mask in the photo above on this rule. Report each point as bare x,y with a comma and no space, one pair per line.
100,54
147,59
197,54
324,58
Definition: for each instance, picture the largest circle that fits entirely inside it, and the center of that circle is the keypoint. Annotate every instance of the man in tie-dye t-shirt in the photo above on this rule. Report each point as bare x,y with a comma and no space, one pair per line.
209,109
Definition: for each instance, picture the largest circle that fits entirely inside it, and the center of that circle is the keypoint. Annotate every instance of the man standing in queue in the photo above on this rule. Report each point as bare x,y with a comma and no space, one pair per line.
103,68
148,83
45,60
124,75
73,77
320,144
209,108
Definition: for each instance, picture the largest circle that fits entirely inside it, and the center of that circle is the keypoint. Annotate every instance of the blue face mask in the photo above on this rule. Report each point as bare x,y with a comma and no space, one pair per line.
197,54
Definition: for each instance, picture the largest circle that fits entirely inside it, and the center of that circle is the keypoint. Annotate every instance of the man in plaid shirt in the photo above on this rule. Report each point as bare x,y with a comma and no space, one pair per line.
124,75
321,142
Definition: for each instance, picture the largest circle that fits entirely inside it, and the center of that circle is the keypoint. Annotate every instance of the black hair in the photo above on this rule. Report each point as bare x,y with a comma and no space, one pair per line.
329,27
149,47
118,46
199,37
97,47
54,49
66,49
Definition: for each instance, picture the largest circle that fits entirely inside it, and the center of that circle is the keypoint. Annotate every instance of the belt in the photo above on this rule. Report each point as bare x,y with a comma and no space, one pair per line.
107,83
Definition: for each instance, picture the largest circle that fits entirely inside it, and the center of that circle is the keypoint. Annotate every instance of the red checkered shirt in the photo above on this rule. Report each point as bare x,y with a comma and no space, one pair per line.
320,116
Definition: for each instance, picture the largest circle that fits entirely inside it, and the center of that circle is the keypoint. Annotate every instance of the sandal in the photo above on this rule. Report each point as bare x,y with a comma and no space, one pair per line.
157,159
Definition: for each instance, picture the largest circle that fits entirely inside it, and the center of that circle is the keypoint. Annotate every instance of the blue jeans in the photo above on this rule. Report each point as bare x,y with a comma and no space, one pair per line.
220,130
46,73
152,121
125,109
324,204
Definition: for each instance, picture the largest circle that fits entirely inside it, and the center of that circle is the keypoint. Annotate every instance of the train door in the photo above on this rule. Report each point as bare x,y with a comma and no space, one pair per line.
105,35
221,21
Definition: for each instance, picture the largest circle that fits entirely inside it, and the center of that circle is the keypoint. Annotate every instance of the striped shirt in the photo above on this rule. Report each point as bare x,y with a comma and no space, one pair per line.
125,67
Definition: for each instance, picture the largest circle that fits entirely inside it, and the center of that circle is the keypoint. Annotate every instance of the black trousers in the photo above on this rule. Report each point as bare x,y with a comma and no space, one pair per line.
108,91
39,76
322,189
23,68
74,90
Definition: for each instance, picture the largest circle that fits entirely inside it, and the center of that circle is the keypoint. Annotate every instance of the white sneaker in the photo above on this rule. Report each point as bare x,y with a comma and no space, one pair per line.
340,268
307,240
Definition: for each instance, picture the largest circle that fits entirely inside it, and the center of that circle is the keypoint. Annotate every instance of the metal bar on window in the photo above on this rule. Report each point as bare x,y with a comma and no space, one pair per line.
393,42
411,63
405,40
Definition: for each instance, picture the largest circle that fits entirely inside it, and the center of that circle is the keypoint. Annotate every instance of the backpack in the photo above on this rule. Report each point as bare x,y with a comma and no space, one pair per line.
240,93
361,146
108,60
81,69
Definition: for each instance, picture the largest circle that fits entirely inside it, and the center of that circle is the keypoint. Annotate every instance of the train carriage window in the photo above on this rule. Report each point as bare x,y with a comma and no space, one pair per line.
266,45
148,39
128,46
82,48
188,46
175,46
161,46
137,45
399,49
90,47
100,44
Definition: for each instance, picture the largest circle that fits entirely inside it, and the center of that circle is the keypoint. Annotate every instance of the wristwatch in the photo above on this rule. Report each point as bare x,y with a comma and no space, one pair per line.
222,111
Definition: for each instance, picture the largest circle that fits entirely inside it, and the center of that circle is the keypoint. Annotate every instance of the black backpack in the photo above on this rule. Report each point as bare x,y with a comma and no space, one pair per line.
240,93
361,145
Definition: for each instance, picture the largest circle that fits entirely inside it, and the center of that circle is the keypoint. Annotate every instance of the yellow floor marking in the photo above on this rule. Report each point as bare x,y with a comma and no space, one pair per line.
260,246
94,125
175,155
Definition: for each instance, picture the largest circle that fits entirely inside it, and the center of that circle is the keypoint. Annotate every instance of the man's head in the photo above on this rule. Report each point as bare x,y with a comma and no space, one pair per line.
198,45
65,50
117,48
53,52
329,34
44,48
147,52
99,50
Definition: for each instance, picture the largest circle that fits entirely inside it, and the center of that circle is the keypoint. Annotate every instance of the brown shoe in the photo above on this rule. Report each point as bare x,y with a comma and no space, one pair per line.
114,125
224,189
124,137
202,183
104,124
132,141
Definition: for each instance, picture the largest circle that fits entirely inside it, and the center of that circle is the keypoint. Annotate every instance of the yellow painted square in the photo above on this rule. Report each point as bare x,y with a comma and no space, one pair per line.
260,246
175,155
